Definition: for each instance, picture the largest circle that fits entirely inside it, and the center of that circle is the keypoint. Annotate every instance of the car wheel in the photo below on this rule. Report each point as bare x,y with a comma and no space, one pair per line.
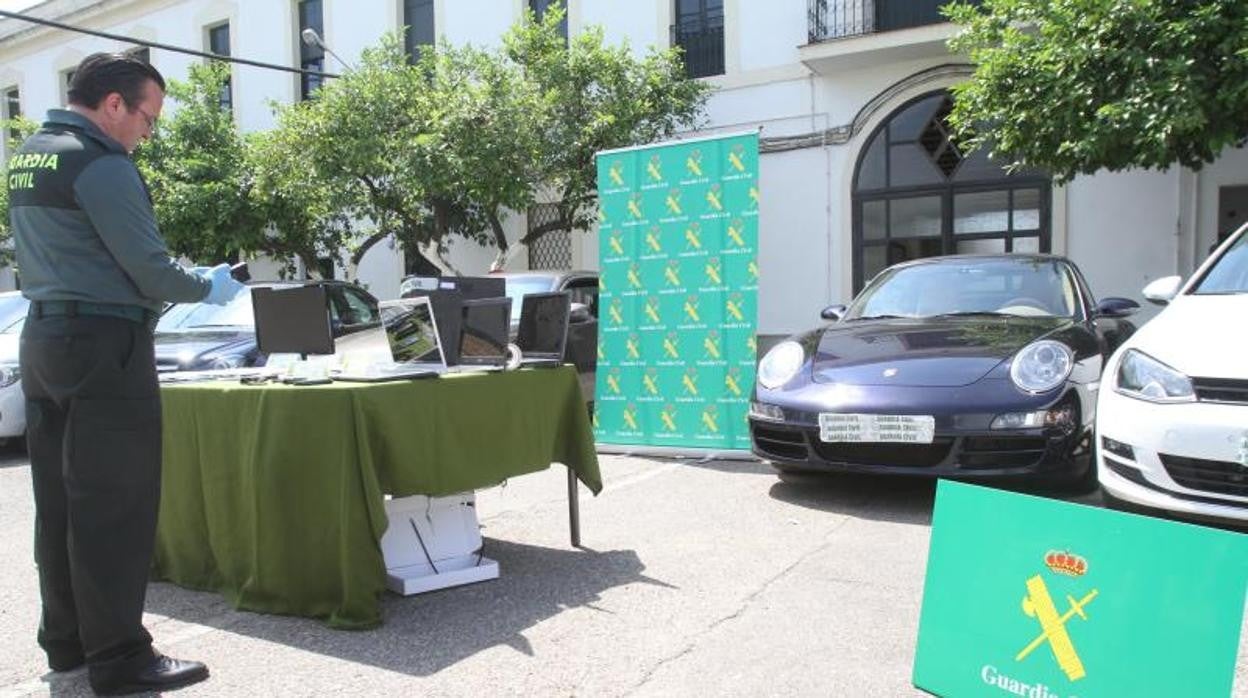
1082,482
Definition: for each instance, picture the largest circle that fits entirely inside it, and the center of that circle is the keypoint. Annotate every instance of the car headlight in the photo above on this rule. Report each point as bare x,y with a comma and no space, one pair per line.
1041,366
1142,377
9,374
225,361
780,364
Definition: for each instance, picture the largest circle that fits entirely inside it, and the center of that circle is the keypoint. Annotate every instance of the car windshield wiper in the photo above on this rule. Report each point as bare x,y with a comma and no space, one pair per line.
975,313
877,317
209,324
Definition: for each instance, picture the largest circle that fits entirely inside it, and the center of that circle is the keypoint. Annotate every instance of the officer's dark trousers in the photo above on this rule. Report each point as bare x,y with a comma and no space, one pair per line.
93,419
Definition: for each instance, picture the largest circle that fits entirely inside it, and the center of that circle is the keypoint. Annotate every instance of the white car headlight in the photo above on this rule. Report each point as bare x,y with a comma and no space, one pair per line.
1041,366
226,361
780,364
1142,377
9,374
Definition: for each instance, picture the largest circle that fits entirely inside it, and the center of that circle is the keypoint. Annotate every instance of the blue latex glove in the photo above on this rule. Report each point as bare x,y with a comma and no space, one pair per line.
224,286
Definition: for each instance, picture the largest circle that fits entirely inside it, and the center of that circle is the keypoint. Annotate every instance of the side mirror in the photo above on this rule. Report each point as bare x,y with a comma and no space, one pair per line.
579,313
1116,307
1163,290
833,312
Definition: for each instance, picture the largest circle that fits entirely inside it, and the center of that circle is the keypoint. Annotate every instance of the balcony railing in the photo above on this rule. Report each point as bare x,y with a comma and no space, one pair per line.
836,19
702,38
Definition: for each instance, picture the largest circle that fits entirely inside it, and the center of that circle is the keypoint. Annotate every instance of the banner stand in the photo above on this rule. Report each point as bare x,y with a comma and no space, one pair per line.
683,453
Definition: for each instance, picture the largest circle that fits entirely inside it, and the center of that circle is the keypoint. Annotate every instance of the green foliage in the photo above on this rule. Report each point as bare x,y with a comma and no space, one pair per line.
16,131
196,168
448,146
596,97
1075,86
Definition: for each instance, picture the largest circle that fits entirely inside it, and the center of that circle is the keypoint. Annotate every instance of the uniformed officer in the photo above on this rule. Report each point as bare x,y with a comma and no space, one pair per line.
97,273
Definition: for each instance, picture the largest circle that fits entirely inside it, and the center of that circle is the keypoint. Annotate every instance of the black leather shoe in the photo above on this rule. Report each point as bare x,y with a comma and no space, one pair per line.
163,674
65,662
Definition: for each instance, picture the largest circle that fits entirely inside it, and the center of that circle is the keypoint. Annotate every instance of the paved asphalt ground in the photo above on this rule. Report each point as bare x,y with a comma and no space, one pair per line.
695,579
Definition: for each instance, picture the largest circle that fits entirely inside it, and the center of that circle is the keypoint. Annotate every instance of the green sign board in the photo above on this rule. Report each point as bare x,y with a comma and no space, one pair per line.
1040,598
678,293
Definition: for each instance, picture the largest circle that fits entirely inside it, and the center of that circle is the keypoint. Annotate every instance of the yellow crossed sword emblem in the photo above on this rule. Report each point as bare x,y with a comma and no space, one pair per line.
693,239
630,419
616,317
731,383
669,424
734,310
690,387
753,269
634,209
673,203
736,236
693,166
652,313
711,347
652,167
712,273
633,279
692,311
653,242
614,172
614,384
712,198
754,195
735,160
708,418
670,348
1039,605
615,245
651,387
672,277
631,345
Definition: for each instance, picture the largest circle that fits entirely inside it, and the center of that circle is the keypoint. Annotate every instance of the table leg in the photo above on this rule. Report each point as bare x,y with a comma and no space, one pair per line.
574,509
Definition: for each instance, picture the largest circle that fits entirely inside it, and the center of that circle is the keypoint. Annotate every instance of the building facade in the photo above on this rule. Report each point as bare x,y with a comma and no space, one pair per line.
848,97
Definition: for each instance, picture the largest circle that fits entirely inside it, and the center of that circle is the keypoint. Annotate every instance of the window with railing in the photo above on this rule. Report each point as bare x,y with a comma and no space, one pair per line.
539,8
835,19
418,26
219,44
699,32
310,57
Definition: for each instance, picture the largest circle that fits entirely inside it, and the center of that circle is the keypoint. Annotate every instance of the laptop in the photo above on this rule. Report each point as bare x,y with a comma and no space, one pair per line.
415,347
484,332
543,331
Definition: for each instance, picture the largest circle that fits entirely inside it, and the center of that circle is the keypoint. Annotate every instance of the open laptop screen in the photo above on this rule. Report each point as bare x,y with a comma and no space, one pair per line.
411,331
486,323
543,328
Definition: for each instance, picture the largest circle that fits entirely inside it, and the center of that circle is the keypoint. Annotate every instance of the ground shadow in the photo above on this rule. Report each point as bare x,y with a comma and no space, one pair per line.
421,635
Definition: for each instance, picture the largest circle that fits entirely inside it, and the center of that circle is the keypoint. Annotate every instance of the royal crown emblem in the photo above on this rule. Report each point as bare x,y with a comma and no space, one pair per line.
1066,563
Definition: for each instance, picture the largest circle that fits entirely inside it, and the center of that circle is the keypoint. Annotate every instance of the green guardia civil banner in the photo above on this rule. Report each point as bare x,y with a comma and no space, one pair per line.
1040,598
678,293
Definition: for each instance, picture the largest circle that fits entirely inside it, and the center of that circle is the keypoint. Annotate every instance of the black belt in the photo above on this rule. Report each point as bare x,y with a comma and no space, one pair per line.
133,313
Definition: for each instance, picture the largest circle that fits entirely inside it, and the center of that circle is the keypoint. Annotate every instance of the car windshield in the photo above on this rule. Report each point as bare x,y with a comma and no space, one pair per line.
1229,274
520,286
991,286
12,313
192,317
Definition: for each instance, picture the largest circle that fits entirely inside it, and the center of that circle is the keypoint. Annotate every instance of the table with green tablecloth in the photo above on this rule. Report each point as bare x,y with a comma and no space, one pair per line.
274,494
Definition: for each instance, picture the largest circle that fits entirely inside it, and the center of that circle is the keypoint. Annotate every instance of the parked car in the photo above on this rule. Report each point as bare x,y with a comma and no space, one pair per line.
1172,420
582,345
968,366
201,336
12,401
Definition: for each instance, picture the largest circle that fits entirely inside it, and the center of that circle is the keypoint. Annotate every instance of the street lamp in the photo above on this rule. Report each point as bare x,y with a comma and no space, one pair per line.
311,38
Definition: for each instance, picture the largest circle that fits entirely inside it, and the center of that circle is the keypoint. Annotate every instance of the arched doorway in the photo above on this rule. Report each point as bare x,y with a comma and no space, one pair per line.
916,194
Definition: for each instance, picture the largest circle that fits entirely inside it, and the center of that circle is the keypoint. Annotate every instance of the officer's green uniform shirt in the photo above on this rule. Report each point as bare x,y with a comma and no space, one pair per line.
83,223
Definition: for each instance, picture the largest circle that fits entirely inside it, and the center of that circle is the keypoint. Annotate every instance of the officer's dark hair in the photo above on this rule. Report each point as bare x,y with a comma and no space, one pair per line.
101,74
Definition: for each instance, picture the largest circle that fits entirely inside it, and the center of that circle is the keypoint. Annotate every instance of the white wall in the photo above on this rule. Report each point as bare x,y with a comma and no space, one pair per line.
481,23
1230,169
1122,231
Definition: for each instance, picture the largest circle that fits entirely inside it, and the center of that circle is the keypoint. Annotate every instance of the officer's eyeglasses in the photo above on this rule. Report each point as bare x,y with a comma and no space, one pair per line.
151,120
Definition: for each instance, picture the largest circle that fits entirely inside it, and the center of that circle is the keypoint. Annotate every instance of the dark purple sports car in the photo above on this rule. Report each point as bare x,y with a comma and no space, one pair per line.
967,367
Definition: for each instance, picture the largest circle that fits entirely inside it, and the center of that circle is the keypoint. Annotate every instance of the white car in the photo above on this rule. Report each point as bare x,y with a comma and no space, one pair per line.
12,401
1172,414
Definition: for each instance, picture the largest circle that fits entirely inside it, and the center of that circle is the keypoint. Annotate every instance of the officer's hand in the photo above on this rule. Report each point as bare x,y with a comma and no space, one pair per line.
224,286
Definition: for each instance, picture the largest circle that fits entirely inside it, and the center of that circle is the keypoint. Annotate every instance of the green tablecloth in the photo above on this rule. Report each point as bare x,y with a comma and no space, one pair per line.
273,495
